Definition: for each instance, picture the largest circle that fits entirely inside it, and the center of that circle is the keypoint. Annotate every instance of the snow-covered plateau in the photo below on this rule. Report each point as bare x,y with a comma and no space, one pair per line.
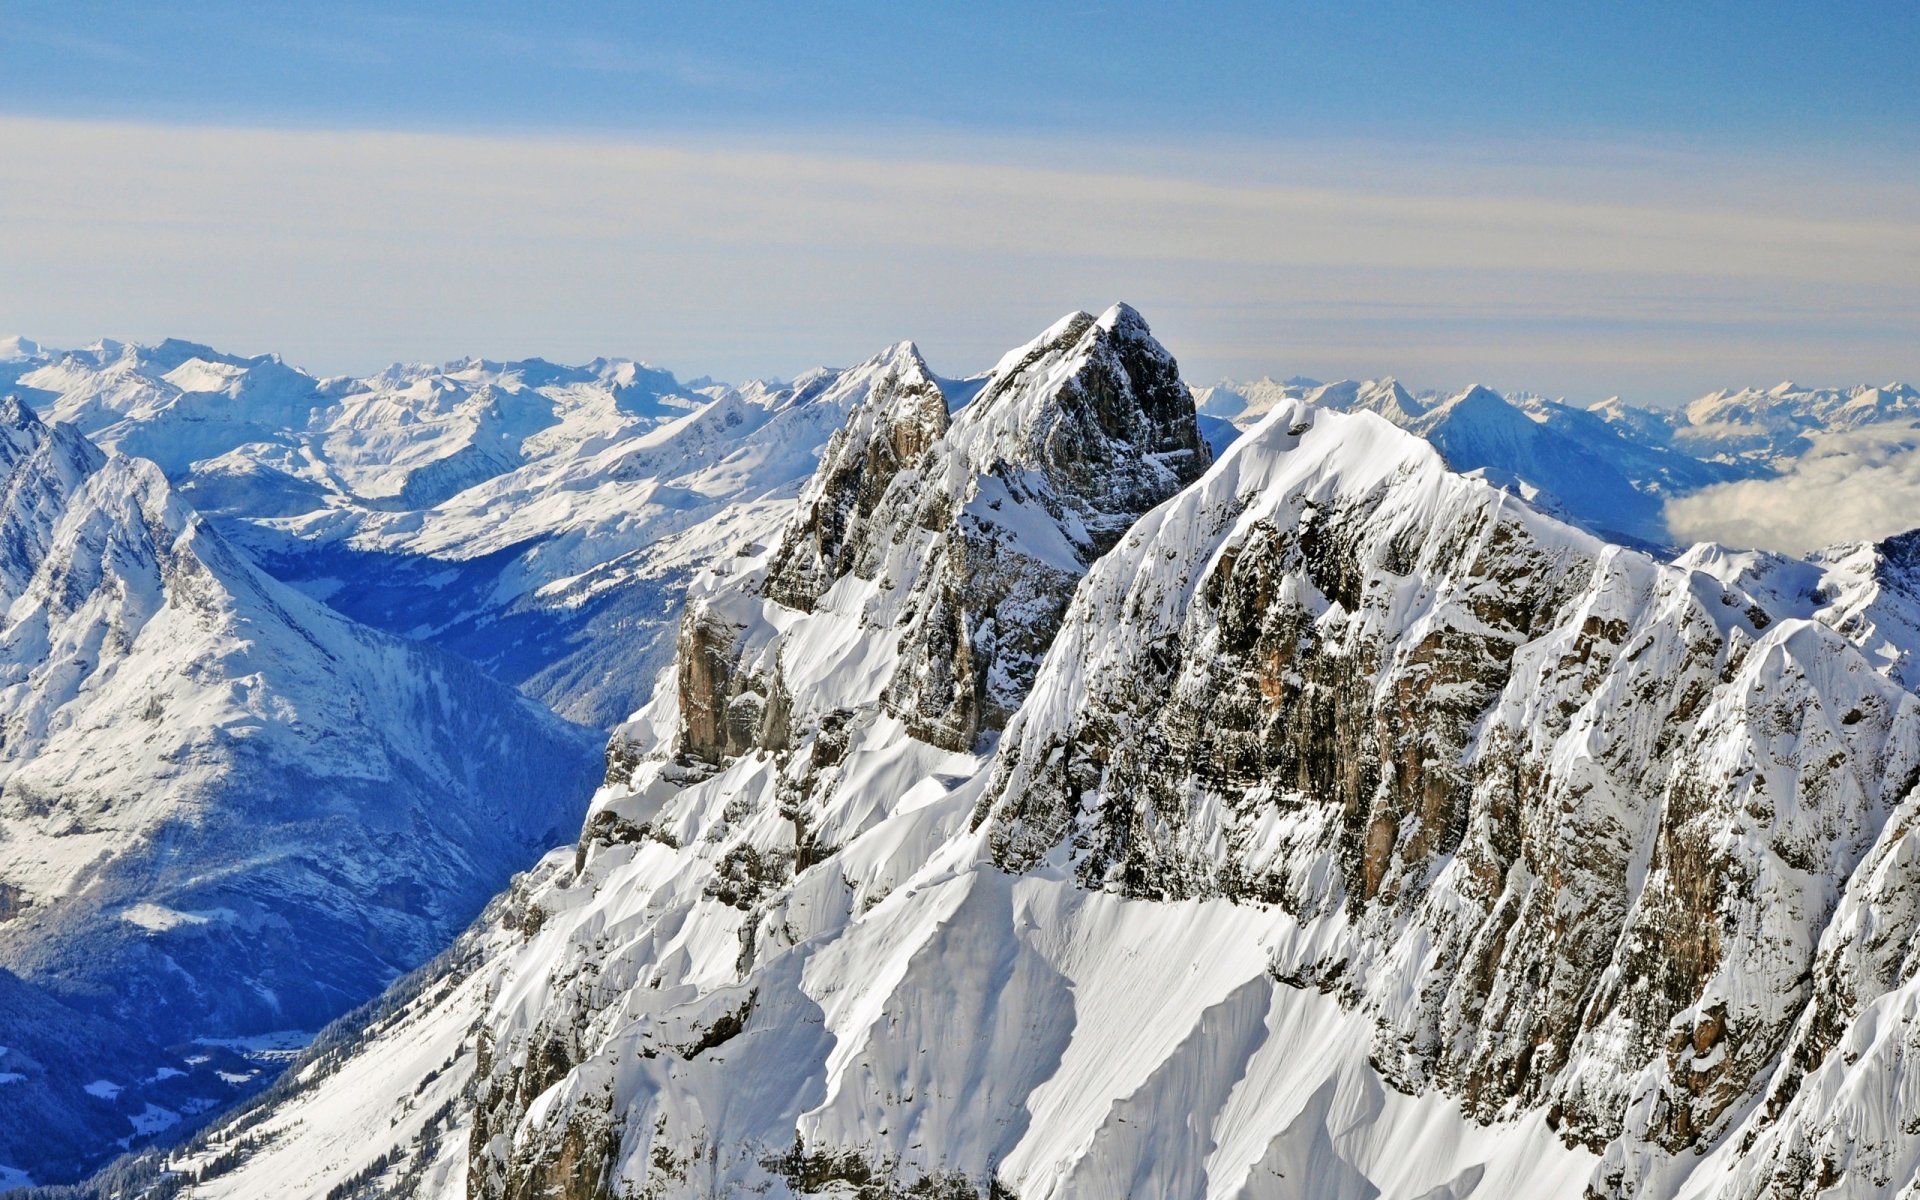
1045,794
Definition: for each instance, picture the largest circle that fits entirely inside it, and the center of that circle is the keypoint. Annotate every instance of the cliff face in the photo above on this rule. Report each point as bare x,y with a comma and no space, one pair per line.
1613,804
942,550
899,617
1571,837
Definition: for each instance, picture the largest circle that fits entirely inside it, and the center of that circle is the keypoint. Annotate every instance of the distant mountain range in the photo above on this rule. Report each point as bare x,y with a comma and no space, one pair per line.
1609,467
1055,782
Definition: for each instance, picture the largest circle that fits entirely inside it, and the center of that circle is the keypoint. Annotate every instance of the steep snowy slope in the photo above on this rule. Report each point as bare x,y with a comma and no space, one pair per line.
1577,819
1069,439
359,470
1355,827
224,809
1611,477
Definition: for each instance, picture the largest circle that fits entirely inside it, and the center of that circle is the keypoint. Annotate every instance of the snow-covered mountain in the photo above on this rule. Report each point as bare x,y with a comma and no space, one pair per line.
540,520
446,503
544,520
565,575
224,808
1244,402
1767,425
251,434
1616,469
1354,829
1610,470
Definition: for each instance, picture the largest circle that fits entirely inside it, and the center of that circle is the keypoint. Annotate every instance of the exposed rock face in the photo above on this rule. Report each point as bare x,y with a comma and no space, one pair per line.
905,413
909,601
954,543
1612,804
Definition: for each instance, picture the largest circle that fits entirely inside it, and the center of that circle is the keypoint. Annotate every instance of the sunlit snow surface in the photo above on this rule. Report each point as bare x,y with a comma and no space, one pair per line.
227,807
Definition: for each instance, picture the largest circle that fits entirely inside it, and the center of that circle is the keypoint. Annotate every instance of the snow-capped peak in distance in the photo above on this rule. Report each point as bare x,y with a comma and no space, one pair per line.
1245,402
1770,423
180,403
1559,458
14,348
1383,396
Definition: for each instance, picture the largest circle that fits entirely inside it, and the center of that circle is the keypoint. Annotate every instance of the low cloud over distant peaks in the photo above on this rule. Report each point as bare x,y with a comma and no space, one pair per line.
1858,485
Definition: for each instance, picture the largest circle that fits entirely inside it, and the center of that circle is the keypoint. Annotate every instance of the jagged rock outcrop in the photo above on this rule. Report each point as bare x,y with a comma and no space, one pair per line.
910,597
951,543
904,414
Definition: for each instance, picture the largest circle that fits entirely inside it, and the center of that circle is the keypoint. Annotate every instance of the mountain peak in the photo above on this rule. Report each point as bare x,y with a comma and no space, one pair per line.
16,414
1123,318
22,433
14,348
903,351
953,541
903,414
1098,407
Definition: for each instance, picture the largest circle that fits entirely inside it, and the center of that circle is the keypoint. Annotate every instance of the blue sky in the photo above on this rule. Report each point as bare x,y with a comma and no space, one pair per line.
1591,198
1757,73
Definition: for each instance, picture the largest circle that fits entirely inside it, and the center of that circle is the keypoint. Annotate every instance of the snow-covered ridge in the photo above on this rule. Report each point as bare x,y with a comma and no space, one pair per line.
225,808
479,495
1611,467
1567,823
405,436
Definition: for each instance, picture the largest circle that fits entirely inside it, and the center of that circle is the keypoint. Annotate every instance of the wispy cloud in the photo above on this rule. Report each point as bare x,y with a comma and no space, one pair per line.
491,47
352,245
96,48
